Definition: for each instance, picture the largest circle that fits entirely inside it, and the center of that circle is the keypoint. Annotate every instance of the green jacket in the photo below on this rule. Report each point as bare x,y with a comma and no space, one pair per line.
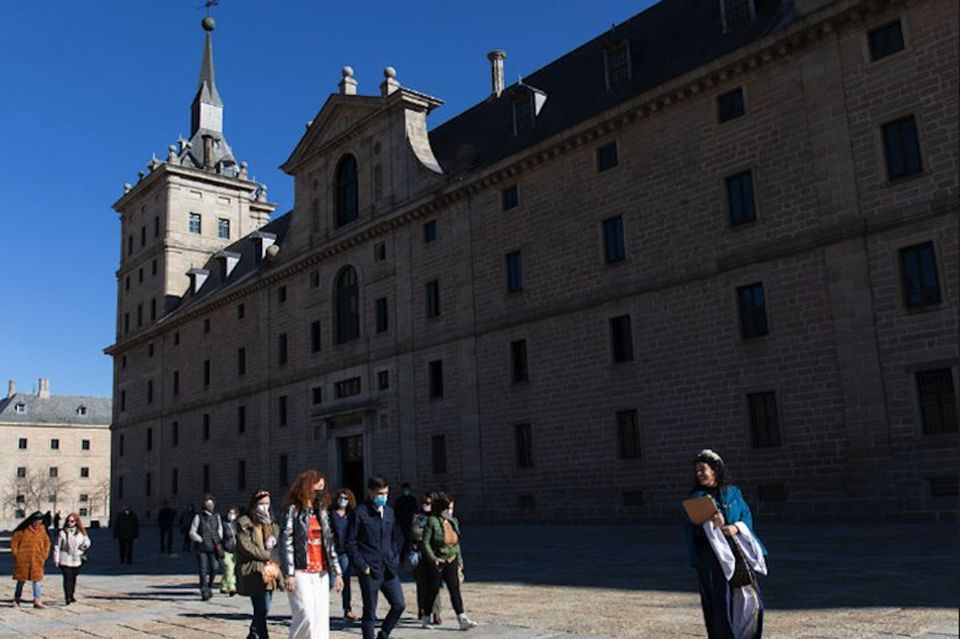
251,556
432,544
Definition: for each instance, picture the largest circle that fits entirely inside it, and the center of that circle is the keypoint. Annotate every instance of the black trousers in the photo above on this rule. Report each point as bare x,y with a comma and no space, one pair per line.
370,587
713,600
166,540
69,582
126,551
448,573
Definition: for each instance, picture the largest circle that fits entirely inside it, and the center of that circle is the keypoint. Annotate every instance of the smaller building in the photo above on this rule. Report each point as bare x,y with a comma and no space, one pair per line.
54,455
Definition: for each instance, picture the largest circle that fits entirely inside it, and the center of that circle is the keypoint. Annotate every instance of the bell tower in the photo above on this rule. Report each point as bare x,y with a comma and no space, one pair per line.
184,209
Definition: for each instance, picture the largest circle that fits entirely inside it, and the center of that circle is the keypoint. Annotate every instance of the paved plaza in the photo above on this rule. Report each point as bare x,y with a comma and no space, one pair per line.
558,582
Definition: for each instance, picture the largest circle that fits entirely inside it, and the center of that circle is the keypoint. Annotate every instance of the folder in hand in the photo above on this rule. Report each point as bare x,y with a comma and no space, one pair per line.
700,509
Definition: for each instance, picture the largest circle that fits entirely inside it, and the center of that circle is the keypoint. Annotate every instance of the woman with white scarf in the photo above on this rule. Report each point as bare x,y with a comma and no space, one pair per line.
69,553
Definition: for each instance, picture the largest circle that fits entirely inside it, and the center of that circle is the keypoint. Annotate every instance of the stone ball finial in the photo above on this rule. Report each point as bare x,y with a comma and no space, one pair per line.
208,24
347,71
127,187
390,72
273,250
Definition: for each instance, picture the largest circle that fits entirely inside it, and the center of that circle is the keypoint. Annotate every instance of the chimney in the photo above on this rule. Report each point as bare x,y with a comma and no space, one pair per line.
43,386
11,388
208,151
496,58
348,86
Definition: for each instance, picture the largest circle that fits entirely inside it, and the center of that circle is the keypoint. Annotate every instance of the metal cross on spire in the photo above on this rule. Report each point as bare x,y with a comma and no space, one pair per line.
209,3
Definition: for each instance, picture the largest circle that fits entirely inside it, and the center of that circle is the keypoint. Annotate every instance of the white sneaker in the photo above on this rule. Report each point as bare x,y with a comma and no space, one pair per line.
465,623
425,623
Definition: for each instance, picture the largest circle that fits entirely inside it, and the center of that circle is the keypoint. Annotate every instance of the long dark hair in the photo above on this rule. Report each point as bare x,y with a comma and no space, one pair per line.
714,461
36,516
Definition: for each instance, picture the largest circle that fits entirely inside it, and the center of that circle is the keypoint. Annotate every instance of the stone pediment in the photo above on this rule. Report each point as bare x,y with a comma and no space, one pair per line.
339,115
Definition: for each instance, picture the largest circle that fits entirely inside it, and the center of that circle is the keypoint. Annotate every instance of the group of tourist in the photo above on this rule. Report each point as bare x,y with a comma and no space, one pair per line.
322,540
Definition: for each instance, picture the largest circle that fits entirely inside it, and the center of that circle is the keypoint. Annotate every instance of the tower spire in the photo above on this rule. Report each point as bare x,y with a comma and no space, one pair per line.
207,108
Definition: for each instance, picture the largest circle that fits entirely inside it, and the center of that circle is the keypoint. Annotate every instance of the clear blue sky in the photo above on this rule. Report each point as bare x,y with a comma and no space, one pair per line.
92,89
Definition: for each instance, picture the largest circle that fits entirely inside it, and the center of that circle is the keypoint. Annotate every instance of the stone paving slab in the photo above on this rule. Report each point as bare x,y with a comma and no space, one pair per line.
556,582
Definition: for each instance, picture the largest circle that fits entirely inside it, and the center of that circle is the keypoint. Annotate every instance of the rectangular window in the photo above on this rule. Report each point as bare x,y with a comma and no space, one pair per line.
22,443
764,420
150,349
753,310
174,481
143,236
120,446
205,426
314,279
123,400
938,401
150,391
621,339
514,272
382,317
317,395
383,380
433,298
510,197
618,65
119,487
282,410
740,201
730,105
628,434
518,361
148,484
176,382
156,226
241,311
523,113
149,440
206,373
241,361
21,472
176,338
241,419
436,379
53,472
282,348
139,315
614,247
315,337
54,444
885,40
438,454
902,148
347,387
241,474
379,252
523,437
153,310
206,478
130,245
83,497
283,469
175,433
281,294
607,157
140,276
195,223
223,229
153,267
918,268
126,284
126,322
84,444
430,231
206,326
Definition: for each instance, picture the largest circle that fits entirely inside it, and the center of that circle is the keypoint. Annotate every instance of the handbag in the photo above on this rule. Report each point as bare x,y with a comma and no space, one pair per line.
270,574
742,575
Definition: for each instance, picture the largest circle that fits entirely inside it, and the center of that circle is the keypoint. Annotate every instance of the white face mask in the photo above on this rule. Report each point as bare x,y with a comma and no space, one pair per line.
448,513
343,502
231,516
263,509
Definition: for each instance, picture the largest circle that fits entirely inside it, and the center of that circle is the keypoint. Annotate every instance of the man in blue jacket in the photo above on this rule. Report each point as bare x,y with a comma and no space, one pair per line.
373,545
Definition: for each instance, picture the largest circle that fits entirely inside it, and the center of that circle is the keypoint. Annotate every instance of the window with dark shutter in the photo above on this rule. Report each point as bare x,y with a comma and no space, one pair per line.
740,201
902,148
764,420
523,438
938,401
753,311
885,40
621,339
730,105
346,190
628,434
921,282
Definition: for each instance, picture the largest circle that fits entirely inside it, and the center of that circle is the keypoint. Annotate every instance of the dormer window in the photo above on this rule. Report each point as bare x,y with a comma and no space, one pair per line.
737,14
527,103
617,63
346,190
20,408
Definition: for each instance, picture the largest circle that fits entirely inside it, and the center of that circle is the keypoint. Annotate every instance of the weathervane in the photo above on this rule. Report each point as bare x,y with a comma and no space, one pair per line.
209,3
208,23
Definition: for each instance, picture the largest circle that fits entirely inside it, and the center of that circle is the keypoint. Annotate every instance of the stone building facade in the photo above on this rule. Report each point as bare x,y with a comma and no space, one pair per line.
56,455
734,226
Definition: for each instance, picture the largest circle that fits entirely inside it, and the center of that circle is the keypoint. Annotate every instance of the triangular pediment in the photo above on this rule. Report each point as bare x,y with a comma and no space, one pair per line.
339,115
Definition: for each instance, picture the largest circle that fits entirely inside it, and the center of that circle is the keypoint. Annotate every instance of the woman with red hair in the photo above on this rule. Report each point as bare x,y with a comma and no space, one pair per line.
69,553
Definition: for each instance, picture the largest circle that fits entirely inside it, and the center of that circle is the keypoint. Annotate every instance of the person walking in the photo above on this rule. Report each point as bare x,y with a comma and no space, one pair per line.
258,575
206,532
373,543
69,554
726,555
30,547
421,571
344,504
405,507
308,557
165,519
125,530
186,518
228,580
441,553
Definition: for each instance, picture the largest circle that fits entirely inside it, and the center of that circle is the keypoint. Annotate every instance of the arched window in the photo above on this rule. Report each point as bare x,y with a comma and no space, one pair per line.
347,305
346,190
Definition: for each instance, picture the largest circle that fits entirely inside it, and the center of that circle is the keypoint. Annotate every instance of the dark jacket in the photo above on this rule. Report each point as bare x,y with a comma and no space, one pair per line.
293,542
230,535
374,543
339,525
433,546
252,555
127,526
165,517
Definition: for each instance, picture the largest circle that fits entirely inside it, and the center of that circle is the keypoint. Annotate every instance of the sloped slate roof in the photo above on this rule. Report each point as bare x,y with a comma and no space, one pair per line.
666,41
56,409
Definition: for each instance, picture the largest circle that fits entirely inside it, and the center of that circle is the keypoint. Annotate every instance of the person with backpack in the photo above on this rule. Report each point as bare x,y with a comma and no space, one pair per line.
206,532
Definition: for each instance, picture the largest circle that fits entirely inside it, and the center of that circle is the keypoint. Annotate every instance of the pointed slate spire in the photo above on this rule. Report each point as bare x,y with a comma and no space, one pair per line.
207,108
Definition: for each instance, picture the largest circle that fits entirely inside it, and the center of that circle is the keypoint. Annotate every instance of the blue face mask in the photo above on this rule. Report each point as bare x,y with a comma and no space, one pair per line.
380,501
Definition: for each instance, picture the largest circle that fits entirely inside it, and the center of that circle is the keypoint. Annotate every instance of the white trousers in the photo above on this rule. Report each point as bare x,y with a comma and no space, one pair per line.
310,606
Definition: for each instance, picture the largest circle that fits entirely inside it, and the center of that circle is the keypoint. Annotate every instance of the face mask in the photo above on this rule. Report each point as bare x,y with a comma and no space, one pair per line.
343,502
427,508
231,516
447,514
208,507
380,501
317,498
406,493
263,509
